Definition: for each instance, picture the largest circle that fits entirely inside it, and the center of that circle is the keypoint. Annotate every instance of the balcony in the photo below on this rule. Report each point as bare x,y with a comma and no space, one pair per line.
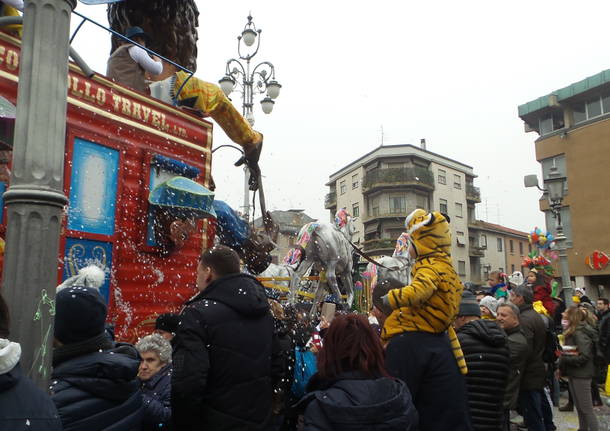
476,251
330,201
473,193
379,246
398,177
384,215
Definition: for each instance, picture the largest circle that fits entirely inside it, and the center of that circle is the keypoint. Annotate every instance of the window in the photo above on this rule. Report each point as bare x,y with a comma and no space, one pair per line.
458,209
484,241
398,204
442,176
342,187
442,206
550,123
374,206
529,248
594,107
356,210
421,201
501,269
512,268
457,182
500,244
521,248
511,246
461,242
461,268
355,181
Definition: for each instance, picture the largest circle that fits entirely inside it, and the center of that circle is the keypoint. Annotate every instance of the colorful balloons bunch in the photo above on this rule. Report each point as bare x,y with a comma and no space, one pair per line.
541,240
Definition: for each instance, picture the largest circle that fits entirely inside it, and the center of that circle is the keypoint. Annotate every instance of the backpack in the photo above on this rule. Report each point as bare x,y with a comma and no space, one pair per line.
551,343
305,366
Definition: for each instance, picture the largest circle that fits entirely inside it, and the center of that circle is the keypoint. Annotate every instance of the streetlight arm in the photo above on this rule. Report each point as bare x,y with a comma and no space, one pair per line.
263,75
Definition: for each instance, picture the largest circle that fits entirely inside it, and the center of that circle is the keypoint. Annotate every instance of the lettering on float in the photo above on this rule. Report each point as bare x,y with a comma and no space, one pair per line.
83,89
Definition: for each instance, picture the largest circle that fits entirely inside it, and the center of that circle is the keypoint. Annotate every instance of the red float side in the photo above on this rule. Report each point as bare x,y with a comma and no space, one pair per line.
143,282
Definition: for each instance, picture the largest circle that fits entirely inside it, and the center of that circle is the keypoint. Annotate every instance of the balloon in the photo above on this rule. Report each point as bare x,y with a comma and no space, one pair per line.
538,231
550,237
542,240
535,238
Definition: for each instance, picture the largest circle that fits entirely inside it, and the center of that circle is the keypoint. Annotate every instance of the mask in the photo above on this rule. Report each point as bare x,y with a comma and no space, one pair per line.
565,324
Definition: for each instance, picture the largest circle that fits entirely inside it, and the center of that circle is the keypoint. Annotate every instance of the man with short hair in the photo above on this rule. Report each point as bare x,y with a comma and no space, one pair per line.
155,374
533,380
519,350
484,345
222,358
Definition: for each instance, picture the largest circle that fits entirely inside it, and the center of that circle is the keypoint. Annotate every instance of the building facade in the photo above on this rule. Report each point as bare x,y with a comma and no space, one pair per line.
383,186
289,223
498,248
573,127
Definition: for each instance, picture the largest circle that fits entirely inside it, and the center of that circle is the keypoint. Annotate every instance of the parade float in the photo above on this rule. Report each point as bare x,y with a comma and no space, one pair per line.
120,145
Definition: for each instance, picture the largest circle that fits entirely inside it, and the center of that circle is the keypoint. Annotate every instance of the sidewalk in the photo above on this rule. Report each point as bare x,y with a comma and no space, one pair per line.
568,421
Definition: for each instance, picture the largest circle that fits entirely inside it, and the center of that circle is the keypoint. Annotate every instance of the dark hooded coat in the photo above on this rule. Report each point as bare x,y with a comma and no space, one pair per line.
354,402
485,349
222,377
99,390
23,406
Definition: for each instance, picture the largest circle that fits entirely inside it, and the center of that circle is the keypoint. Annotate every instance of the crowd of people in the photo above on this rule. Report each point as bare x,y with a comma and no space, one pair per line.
430,356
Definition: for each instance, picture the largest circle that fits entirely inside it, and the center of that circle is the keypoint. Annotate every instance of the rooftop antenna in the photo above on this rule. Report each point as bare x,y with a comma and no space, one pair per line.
382,136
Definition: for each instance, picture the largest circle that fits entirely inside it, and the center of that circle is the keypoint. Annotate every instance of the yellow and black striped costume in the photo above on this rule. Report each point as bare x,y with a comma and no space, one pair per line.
431,302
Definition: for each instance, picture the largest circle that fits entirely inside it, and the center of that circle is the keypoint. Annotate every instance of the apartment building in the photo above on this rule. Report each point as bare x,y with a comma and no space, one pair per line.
573,127
495,248
386,184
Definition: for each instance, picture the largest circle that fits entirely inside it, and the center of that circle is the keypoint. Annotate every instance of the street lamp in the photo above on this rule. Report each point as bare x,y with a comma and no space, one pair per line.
242,77
555,189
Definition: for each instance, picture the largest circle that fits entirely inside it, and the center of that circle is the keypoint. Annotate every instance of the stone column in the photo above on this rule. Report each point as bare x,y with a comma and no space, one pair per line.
35,198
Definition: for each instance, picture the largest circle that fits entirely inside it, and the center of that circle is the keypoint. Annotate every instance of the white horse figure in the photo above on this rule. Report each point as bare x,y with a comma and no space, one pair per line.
397,267
326,248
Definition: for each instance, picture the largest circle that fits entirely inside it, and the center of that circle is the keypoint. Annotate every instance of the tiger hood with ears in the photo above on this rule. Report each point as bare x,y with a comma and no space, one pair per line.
431,302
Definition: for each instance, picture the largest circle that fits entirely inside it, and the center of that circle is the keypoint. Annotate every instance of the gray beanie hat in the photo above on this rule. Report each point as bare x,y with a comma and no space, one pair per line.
469,305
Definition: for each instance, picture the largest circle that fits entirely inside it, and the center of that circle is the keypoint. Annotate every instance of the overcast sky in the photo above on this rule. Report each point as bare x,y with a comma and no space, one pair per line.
451,72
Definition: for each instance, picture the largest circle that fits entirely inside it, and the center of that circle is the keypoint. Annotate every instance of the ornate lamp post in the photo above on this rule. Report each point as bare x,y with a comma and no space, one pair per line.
249,80
555,189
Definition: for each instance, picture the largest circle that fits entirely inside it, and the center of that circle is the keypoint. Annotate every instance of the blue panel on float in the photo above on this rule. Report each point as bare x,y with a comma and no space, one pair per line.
93,188
84,252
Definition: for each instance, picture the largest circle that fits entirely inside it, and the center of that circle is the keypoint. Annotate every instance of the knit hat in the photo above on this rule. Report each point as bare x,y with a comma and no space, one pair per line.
469,305
167,322
80,313
491,303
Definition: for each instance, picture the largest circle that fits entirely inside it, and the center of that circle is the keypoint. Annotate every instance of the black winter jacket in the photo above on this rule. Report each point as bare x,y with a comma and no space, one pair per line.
23,406
99,390
534,328
604,336
222,377
520,351
156,393
354,402
485,349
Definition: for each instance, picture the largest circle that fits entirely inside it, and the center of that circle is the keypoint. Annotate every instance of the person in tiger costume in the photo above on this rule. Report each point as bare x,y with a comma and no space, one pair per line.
422,347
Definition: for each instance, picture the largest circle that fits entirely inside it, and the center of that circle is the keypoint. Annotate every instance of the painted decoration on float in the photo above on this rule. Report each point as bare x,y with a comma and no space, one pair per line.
93,188
84,252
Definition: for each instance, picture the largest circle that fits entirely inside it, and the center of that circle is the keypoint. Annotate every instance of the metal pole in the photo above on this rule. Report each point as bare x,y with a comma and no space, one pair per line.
246,194
561,239
35,198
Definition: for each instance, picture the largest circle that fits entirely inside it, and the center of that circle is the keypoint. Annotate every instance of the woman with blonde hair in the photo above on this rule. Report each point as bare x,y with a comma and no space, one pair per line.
577,363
